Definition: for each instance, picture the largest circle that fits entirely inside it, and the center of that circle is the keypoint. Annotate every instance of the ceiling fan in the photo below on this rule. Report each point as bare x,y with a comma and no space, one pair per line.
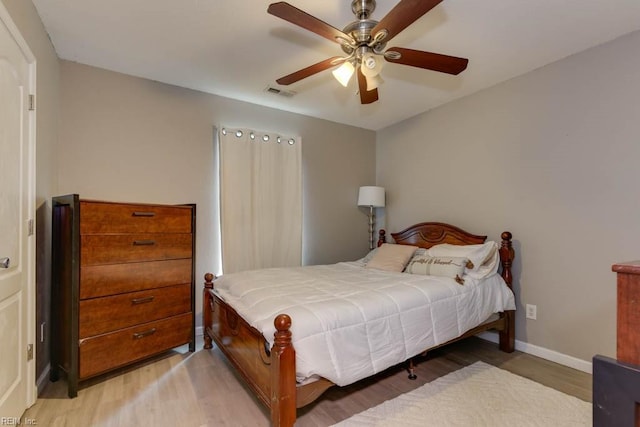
364,41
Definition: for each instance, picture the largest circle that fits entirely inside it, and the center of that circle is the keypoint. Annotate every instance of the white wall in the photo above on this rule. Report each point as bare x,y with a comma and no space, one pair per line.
552,156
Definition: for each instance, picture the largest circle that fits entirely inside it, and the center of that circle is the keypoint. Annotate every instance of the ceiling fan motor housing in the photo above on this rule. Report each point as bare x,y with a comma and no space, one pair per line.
360,31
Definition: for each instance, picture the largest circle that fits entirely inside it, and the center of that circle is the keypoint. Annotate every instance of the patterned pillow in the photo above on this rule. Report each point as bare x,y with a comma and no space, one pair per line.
476,254
452,267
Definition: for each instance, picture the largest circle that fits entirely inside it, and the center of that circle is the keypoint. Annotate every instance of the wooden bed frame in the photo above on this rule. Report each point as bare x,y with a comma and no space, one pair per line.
271,373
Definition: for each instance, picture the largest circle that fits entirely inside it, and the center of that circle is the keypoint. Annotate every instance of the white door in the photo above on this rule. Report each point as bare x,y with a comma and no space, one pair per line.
17,254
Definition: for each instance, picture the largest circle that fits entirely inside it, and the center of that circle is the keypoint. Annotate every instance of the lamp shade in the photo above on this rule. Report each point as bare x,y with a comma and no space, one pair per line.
344,72
374,82
371,66
371,196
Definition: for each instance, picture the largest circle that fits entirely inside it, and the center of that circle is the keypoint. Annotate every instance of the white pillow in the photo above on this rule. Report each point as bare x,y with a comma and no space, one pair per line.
452,267
484,257
488,268
391,257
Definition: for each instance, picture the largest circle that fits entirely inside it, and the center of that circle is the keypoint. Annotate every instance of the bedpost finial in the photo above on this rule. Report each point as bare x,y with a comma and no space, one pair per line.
208,280
382,237
507,252
282,322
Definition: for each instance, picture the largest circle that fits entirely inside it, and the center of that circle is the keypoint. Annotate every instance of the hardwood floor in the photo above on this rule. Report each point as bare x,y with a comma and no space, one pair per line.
200,389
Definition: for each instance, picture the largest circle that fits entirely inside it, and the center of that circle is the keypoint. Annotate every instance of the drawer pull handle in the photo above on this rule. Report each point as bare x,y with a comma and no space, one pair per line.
144,300
144,214
140,335
144,242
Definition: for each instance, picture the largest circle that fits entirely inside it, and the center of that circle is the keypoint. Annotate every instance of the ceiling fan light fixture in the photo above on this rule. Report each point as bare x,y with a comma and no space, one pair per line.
371,66
344,72
373,82
369,62
364,40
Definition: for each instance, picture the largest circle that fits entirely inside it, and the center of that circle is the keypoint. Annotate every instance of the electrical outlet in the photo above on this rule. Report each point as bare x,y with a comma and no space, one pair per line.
532,312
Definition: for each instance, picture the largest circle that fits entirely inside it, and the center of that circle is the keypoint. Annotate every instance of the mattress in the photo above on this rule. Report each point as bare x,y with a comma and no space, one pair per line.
350,322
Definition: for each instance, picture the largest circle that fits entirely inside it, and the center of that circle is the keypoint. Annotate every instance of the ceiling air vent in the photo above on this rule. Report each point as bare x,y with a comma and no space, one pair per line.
281,92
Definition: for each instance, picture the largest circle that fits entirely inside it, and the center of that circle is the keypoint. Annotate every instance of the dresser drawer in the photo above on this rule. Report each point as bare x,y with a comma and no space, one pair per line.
117,248
105,352
106,314
100,217
111,279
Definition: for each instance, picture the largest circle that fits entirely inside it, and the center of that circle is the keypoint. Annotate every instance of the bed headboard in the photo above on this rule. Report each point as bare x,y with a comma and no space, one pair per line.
427,234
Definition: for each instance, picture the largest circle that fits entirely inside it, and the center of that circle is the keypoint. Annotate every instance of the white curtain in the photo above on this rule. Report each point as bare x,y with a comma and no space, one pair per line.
261,200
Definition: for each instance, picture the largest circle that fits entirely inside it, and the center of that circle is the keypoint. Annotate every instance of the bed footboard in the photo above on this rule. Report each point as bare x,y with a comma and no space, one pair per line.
270,373
243,345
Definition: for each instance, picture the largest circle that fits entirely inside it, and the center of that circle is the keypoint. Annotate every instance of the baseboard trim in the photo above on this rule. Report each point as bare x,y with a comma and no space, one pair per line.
544,353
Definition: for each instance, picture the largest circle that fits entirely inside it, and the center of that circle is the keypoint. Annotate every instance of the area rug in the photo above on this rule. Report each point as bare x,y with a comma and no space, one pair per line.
478,395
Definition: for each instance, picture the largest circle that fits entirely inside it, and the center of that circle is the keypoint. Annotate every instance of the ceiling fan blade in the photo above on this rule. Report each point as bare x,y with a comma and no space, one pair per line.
302,19
310,70
428,60
402,15
366,96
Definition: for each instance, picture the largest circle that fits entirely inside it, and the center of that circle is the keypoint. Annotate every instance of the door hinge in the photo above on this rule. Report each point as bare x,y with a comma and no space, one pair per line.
32,102
29,352
30,228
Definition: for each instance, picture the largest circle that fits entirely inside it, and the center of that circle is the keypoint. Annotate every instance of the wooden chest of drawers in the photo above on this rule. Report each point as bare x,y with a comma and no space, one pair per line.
628,322
123,284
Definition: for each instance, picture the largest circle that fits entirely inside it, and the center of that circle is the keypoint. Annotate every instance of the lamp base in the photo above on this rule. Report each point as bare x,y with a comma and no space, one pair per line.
371,227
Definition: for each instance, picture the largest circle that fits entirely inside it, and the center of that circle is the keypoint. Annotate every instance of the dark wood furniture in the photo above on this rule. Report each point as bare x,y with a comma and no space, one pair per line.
271,373
628,325
122,284
616,393
616,382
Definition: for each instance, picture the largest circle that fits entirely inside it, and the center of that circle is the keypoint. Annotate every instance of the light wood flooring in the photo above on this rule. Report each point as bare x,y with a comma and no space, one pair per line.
201,389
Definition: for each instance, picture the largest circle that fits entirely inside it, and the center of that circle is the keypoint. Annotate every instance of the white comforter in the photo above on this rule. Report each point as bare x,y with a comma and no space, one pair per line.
350,322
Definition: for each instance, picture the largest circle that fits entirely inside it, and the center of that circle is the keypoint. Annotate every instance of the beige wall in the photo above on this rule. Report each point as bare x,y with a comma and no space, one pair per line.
28,22
128,139
551,156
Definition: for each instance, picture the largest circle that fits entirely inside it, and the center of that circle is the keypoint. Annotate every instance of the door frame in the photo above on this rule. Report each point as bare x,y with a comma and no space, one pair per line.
30,291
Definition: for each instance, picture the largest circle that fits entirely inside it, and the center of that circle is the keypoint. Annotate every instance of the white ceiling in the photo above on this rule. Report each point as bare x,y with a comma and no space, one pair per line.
235,49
